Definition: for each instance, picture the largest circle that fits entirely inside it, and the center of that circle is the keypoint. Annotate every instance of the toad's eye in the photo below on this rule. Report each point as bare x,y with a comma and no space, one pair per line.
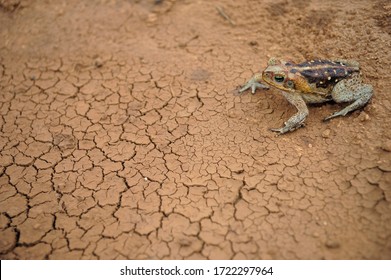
279,78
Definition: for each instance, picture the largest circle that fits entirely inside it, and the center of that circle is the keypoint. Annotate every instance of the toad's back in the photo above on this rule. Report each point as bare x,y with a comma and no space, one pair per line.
324,74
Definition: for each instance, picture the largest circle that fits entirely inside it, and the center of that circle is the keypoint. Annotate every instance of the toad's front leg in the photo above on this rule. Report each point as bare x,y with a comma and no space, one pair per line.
298,119
254,83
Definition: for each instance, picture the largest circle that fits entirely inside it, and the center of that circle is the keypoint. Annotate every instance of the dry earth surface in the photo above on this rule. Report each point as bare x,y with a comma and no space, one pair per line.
121,137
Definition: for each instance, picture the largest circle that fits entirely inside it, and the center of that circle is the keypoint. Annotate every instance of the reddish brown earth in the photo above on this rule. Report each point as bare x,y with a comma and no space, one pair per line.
121,138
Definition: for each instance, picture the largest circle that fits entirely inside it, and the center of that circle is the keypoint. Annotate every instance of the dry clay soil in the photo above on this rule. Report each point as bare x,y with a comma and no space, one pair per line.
121,137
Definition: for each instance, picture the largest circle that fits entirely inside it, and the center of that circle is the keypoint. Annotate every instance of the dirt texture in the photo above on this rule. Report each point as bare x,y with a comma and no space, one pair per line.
121,137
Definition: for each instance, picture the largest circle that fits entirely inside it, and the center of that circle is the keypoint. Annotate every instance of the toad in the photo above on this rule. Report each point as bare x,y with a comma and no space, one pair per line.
314,81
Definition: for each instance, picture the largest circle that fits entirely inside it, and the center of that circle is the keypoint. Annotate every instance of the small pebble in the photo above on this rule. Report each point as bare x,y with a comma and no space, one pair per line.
387,146
98,63
364,117
326,133
152,18
332,244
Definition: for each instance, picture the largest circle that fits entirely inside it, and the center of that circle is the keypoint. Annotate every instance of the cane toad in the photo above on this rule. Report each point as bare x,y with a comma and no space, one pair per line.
313,81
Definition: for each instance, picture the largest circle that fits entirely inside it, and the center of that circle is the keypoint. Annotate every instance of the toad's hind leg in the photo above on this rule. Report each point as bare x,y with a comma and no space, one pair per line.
350,91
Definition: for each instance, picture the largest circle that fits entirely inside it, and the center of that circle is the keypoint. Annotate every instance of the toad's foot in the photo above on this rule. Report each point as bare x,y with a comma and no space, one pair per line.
336,114
287,128
254,83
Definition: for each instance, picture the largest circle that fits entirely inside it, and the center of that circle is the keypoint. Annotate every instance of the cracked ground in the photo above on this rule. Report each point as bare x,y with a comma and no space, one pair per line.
121,137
